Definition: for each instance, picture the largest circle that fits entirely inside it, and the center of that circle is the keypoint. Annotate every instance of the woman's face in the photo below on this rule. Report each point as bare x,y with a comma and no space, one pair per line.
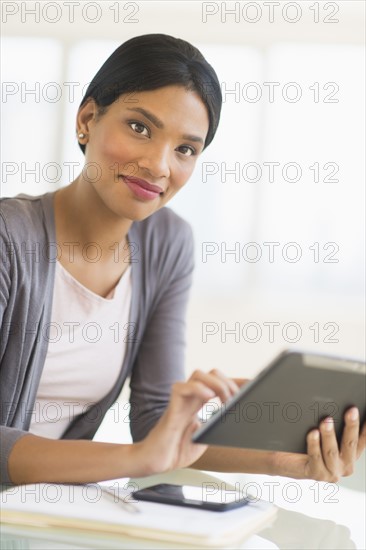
143,149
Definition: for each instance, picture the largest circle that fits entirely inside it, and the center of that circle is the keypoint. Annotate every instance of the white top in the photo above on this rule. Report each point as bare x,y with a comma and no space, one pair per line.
87,343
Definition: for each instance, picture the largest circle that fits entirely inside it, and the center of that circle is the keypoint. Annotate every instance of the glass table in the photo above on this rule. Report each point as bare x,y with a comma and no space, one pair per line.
311,515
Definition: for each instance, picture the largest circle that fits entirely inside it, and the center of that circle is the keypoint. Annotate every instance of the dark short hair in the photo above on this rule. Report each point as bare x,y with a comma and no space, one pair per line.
152,61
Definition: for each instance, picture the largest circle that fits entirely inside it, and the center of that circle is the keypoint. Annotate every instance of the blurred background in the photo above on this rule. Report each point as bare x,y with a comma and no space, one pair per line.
276,201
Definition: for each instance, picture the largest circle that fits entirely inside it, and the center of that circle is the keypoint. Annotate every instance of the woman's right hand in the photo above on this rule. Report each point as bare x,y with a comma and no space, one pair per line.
168,445
35,459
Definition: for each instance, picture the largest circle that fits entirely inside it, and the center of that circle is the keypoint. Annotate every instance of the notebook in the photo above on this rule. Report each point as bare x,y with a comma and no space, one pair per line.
85,508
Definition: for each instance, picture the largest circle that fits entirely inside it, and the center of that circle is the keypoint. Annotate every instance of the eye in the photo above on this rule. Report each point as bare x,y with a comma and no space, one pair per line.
187,150
140,128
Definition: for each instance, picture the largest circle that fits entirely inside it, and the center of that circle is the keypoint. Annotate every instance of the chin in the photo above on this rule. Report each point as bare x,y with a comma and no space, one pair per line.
137,213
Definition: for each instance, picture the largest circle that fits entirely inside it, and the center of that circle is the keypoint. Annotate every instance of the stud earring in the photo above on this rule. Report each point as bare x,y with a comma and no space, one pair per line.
81,135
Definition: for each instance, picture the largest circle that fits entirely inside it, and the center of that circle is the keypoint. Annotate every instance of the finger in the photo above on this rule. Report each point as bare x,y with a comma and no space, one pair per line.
187,437
193,388
329,446
315,467
229,381
187,398
350,439
219,384
194,426
190,429
241,381
361,440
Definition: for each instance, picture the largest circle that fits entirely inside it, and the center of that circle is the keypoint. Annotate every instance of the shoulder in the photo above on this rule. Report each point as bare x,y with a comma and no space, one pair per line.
166,231
23,216
168,223
164,241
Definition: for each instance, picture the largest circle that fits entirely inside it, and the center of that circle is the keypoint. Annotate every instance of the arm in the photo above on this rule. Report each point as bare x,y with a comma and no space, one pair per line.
168,446
8,436
160,358
21,307
36,459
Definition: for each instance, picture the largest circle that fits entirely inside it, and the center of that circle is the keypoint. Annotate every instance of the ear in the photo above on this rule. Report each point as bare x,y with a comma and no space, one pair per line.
86,115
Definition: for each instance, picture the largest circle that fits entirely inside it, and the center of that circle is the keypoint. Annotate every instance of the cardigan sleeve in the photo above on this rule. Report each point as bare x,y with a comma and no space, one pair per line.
161,356
8,436
26,283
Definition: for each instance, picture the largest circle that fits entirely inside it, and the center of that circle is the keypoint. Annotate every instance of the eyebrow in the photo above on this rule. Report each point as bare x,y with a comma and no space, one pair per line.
159,124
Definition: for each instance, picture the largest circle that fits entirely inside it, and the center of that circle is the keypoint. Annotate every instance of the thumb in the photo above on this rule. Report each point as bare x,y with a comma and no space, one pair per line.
191,428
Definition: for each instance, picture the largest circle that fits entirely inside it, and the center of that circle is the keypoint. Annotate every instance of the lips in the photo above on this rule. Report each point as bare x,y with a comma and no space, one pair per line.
145,184
142,189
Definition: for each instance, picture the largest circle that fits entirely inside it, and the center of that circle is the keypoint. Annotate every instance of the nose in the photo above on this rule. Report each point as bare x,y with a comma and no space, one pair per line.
155,161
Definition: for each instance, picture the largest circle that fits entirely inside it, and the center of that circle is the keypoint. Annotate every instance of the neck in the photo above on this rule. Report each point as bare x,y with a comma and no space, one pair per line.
82,217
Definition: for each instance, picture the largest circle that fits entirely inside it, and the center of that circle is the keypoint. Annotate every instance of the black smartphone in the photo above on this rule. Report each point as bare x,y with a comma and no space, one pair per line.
206,497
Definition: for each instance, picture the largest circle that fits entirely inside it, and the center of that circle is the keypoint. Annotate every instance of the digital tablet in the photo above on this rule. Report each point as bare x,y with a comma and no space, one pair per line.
277,409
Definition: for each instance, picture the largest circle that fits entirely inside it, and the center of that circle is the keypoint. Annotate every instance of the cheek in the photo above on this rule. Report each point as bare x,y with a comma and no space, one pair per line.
185,173
181,177
113,148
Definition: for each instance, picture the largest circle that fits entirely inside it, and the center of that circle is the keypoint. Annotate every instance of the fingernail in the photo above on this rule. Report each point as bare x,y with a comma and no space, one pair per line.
328,424
353,414
315,435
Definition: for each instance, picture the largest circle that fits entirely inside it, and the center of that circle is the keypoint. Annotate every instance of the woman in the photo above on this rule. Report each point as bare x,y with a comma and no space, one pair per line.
96,276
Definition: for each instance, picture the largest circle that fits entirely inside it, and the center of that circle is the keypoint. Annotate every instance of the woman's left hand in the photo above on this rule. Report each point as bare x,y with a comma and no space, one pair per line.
325,460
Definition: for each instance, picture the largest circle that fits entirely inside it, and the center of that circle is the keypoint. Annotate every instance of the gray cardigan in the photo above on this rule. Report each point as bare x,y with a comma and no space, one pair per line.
161,270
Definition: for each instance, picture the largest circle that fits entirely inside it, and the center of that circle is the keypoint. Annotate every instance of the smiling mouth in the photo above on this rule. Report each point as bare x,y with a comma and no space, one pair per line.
142,189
